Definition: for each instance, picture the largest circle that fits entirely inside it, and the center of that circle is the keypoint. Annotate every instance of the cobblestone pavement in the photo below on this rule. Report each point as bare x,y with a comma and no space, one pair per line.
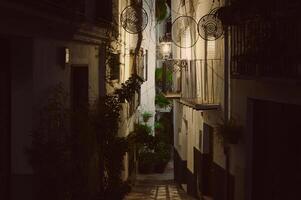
157,186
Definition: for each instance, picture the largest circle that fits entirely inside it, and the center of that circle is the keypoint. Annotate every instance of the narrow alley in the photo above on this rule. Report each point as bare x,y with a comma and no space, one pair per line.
150,100
157,186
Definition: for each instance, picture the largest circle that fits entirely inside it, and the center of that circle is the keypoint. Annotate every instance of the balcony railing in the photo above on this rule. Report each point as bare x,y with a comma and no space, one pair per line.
266,49
196,83
171,78
60,7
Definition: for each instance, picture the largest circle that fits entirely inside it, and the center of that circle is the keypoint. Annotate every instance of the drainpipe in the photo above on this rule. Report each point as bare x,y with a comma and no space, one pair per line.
227,179
227,105
206,96
226,72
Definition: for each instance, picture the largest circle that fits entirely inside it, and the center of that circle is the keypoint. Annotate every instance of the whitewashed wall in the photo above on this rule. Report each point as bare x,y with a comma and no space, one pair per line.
149,43
35,70
127,43
195,119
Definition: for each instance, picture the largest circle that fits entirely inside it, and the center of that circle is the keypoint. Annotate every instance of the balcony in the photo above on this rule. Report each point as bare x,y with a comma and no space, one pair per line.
196,83
171,78
266,49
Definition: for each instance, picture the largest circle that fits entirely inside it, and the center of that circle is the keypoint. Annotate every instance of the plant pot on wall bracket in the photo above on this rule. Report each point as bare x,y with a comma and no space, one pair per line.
146,116
146,162
229,132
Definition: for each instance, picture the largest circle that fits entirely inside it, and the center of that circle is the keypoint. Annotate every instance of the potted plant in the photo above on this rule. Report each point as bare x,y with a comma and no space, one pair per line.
146,161
162,10
158,127
162,157
161,101
229,132
146,116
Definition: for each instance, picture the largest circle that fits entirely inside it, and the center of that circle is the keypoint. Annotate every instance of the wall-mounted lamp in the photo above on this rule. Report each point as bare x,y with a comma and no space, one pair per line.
63,57
67,55
165,46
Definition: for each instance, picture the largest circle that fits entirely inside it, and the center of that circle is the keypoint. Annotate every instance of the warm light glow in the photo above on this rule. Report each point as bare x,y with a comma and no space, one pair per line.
67,55
165,49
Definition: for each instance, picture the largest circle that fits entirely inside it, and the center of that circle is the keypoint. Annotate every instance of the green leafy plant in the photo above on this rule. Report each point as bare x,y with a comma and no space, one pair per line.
141,137
146,116
79,148
161,101
64,158
161,10
158,126
146,161
105,122
162,156
165,132
163,79
144,142
129,88
159,75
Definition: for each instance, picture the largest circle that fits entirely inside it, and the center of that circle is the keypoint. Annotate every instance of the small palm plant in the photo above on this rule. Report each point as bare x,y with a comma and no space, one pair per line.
146,116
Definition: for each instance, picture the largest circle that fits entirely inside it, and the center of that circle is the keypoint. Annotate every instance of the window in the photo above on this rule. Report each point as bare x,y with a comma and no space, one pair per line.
114,65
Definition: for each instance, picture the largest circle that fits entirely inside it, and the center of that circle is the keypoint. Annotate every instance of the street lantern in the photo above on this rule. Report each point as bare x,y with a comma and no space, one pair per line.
165,46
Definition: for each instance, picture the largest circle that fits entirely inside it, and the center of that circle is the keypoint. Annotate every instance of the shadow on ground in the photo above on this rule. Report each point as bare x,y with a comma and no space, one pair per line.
157,186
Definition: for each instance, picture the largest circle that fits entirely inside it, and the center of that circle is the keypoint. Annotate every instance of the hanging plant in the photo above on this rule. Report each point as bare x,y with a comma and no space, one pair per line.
229,132
162,10
146,116
129,88
161,101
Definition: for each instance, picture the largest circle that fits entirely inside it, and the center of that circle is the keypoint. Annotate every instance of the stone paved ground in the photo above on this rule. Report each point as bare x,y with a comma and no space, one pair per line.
157,187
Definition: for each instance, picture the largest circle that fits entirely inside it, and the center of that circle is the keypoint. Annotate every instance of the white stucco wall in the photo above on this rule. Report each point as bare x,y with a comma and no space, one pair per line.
241,90
33,75
35,70
149,44
195,118
48,72
128,42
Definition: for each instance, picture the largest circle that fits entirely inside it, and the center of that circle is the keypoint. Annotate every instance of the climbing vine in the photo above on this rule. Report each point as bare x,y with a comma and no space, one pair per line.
78,155
129,88
106,123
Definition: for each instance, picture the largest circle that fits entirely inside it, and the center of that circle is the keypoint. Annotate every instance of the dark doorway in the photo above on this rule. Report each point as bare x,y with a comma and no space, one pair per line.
79,88
79,98
5,93
208,161
276,151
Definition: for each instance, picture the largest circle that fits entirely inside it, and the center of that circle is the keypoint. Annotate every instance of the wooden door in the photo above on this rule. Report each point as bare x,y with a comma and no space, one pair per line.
79,88
79,98
5,91
208,161
276,151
